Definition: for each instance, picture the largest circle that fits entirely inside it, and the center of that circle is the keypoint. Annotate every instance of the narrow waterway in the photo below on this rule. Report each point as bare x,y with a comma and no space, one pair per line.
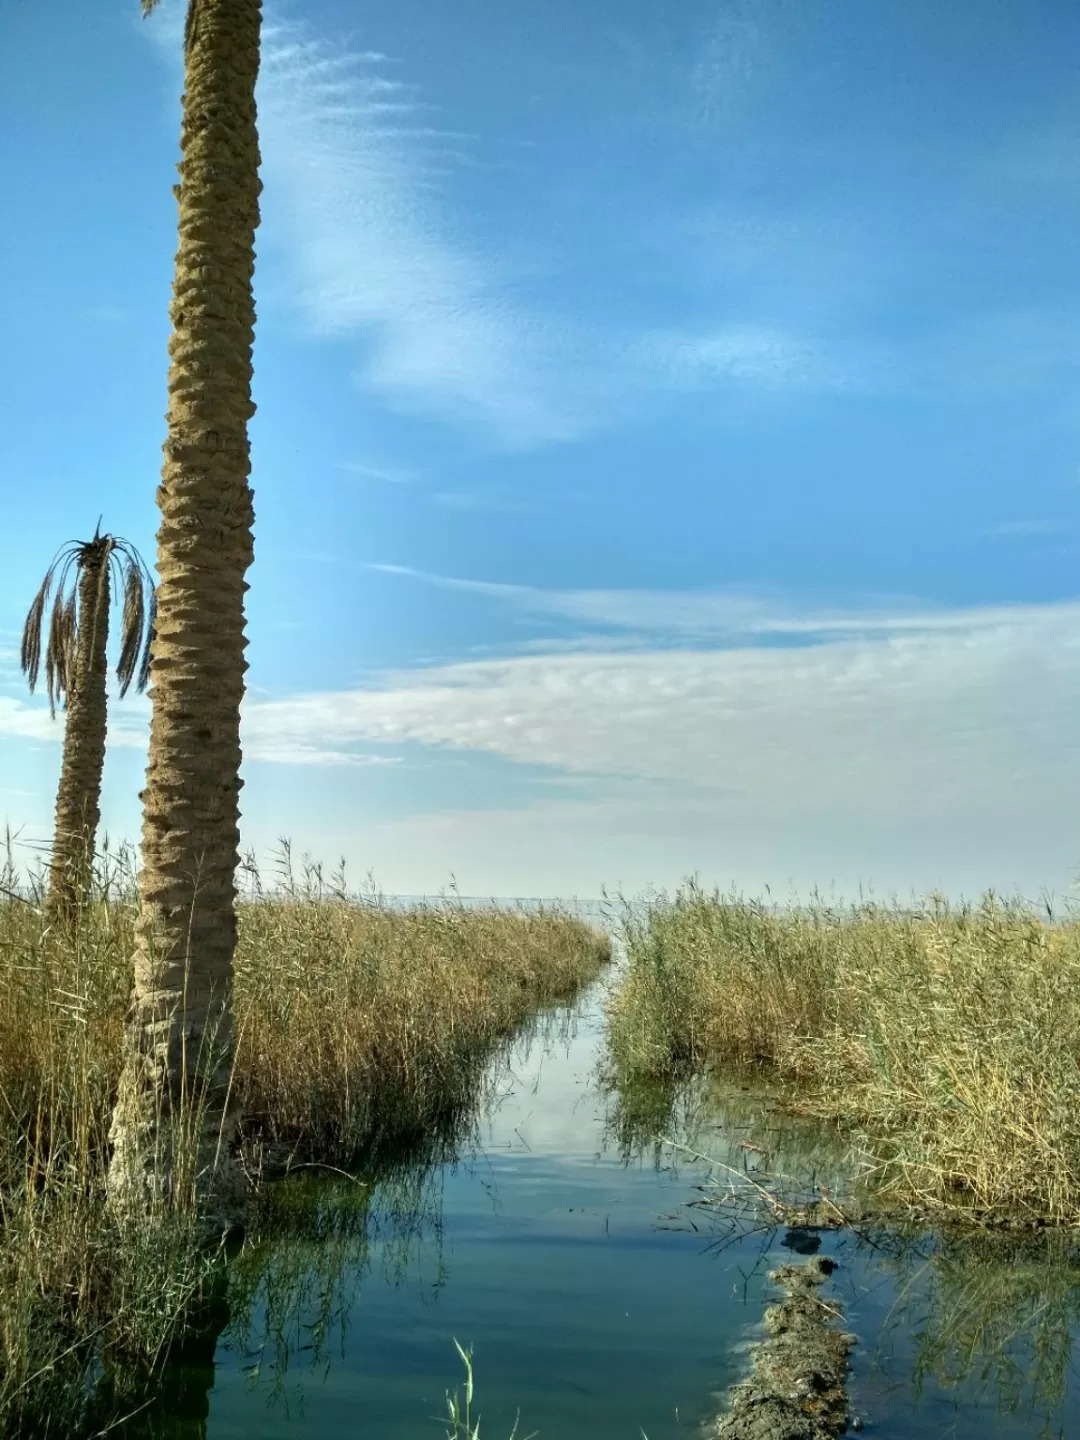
601,1304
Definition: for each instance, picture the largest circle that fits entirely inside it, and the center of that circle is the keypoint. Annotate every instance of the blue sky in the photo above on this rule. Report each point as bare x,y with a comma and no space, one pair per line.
668,446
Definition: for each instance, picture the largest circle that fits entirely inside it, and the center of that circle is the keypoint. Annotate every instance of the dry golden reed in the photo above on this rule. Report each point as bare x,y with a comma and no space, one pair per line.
947,1037
359,1026
374,1024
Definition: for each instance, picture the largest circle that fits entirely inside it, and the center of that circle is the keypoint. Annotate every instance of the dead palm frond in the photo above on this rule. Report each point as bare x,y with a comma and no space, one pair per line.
106,553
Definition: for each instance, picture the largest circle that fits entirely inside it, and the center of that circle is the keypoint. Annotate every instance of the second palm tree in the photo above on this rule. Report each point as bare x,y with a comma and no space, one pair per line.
79,584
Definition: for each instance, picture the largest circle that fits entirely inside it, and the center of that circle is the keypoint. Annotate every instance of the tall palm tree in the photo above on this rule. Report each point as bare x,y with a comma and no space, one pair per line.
181,1015
80,583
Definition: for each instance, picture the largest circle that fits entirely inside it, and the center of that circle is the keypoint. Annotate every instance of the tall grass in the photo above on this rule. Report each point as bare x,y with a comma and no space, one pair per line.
359,1027
362,1025
75,1283
947,1037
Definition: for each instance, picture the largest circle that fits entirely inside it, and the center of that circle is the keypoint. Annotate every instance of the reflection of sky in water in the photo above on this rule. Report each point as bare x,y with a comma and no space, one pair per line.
592,1303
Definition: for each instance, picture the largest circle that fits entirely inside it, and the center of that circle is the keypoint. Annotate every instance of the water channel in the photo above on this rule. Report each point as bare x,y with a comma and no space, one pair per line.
601,1302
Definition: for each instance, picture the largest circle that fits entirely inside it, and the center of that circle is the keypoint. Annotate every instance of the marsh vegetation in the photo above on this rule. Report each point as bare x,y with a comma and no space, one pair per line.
943,1039
606,1283
361,1029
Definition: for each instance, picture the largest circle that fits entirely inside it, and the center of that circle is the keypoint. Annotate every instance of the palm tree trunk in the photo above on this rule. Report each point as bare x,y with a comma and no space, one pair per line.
78,796
176,1081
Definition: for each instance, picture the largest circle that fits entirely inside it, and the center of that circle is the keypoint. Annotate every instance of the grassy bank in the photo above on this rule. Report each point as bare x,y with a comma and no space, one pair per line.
947,1038
360,1028
372,1025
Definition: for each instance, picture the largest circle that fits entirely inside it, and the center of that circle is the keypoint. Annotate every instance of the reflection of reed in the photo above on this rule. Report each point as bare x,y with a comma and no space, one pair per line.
174,1403
319,1236
363,1030
761,1167
285,1299
994,1311
288,1292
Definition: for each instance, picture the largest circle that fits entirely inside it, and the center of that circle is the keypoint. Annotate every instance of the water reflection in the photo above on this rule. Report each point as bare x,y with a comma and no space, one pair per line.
175,1405
989,1317
755,1166
609,1278
283,1304
995,1315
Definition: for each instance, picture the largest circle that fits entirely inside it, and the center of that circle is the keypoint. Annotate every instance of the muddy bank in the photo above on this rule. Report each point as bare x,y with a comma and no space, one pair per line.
796,1388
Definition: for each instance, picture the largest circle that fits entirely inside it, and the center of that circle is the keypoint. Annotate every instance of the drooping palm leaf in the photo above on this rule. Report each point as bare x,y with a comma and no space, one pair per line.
131,626
58,653
30,653
137,619
59,598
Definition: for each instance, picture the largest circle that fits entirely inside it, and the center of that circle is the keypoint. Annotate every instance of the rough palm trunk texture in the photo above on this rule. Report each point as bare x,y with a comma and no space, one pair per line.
78,796
175,1084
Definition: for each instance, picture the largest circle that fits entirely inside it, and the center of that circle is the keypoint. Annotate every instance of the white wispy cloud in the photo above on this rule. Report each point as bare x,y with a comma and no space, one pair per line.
357,203
946,705
297,751
27,722
491,502
352,169
352,165
886,743
731,615
129,728
30,720
770,740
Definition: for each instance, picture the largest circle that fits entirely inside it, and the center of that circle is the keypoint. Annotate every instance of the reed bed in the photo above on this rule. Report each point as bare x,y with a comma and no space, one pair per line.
944,1038
374,1024
360,1027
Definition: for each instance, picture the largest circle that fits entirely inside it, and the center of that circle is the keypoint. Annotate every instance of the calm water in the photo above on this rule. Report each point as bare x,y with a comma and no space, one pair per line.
594,1305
